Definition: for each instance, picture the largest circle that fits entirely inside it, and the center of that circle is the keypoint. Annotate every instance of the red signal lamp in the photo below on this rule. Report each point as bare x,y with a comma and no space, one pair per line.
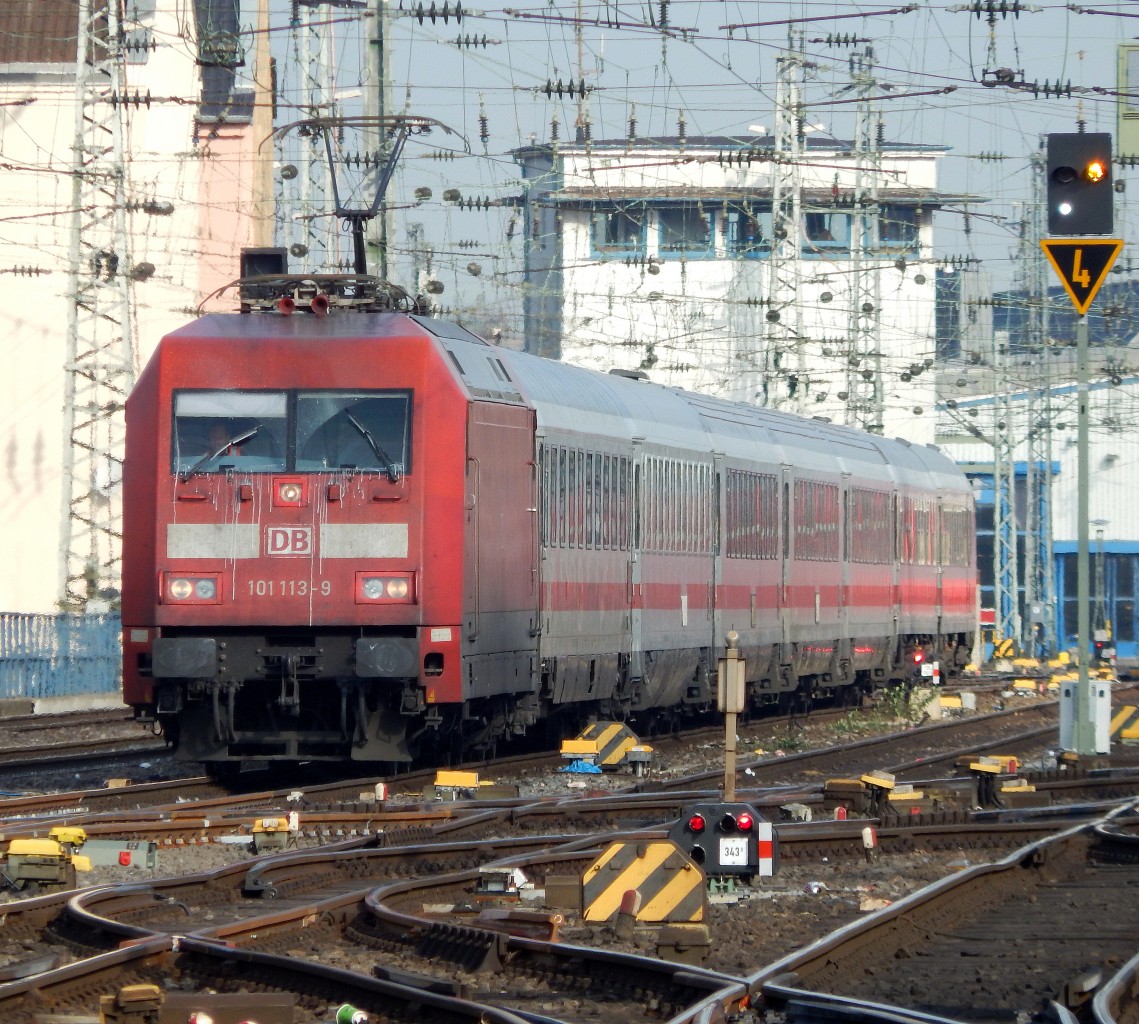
919,657
696,823
744,822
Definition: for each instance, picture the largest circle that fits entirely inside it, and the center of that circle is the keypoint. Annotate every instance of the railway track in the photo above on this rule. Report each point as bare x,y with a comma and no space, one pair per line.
37,749
358,903
373,904
1045,925
269,903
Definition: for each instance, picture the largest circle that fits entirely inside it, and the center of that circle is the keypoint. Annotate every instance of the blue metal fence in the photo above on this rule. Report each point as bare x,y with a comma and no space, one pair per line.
59,655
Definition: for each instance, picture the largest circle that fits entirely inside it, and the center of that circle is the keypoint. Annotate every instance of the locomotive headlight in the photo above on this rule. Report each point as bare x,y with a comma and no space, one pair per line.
290,492
181,589
195,588
385,588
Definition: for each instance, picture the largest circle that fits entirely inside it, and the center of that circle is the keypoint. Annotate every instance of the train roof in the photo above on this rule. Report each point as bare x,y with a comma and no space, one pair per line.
571,400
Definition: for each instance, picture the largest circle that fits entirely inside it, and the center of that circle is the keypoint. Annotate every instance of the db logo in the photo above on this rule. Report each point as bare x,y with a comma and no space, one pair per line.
288,540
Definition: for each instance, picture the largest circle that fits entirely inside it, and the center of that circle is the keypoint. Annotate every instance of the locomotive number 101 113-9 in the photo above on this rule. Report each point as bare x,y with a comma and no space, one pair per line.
289,588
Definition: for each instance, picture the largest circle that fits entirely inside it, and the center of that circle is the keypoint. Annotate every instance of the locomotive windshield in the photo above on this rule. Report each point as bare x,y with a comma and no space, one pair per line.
291,431
353,430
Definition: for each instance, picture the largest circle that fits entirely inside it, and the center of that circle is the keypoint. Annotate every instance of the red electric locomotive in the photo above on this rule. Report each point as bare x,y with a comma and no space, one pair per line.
364,534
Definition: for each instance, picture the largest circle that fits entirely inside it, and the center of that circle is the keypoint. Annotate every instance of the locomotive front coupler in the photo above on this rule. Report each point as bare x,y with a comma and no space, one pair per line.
223,722
290,699
349,690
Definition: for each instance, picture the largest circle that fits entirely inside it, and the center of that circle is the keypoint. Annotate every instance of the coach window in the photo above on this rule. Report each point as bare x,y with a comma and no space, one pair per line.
354,430
624,535
607,502
546,495
591,507
216,431
563,496
636,538
577,524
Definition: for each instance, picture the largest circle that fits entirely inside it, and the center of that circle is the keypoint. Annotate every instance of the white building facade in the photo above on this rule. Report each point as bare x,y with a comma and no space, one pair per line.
190,178
712,264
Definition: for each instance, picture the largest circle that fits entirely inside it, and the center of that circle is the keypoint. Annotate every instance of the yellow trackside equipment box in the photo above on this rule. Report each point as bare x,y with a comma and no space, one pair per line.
33,863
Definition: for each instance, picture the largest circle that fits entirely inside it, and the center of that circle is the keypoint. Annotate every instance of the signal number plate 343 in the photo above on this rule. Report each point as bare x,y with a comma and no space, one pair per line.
733,850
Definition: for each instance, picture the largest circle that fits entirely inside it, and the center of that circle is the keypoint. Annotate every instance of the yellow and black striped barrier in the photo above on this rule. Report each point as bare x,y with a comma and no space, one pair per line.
670,887
1125,723
607,745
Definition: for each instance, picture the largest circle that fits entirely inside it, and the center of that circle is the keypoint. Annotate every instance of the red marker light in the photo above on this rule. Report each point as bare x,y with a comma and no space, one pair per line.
696,823
744,822
919,657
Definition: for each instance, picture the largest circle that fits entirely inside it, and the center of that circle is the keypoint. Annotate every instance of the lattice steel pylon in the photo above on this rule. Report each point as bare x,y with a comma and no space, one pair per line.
304,200
1006,571
782,383
864,385
100,367
1039,622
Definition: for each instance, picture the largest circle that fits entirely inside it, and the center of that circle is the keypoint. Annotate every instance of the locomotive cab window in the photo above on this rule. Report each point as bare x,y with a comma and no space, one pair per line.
294,431
355,430
216,431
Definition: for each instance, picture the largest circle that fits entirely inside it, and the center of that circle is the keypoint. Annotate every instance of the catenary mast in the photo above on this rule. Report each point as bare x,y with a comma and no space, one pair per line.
100,362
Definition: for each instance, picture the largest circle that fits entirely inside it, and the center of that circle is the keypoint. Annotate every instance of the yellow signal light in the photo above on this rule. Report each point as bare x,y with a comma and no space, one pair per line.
1095,170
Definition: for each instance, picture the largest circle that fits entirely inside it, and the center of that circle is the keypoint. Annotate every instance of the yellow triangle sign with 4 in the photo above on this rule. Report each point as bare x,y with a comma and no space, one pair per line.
1081,264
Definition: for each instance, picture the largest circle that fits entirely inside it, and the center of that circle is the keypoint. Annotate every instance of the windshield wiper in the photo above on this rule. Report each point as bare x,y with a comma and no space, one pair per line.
393,473
236,439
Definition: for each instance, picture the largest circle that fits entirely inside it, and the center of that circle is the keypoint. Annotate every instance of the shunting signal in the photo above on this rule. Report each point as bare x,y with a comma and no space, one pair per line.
739,842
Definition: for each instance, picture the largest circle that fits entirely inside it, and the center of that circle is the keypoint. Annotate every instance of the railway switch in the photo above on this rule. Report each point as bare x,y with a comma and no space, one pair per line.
727,839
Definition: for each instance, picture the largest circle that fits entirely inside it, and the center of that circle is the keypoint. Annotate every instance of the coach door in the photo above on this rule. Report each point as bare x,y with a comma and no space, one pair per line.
717,599
500,548
634,593
786,525
939,563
